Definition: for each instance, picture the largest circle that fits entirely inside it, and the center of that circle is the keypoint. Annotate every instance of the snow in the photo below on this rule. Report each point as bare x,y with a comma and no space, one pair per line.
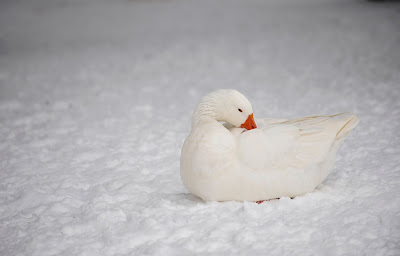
96,99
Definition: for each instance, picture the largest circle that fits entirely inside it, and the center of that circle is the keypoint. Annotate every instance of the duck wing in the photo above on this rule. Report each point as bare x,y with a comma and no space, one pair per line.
279,144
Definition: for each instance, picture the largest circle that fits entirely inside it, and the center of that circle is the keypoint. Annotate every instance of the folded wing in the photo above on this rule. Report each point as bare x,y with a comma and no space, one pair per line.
280,144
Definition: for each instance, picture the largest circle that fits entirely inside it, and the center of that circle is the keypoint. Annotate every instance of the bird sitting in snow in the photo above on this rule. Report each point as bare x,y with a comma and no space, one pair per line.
255,161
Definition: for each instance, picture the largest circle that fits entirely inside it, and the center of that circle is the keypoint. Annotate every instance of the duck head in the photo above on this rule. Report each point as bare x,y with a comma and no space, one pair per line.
228,106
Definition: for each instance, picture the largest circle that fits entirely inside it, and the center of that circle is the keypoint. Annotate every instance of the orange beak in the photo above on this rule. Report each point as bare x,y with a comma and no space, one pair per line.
250,123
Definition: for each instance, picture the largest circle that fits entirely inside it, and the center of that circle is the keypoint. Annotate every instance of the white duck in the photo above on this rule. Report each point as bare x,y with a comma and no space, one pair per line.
221,162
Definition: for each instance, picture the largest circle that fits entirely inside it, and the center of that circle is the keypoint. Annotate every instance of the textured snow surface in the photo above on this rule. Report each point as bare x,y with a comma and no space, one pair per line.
96,99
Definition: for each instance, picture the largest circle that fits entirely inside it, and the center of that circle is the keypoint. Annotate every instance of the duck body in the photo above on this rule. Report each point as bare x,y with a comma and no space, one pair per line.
221,162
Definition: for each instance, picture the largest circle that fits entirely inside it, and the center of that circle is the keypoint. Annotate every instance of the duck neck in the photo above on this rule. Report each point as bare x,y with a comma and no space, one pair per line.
205,110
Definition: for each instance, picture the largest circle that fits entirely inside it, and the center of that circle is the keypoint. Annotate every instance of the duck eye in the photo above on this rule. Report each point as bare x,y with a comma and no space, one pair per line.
240,110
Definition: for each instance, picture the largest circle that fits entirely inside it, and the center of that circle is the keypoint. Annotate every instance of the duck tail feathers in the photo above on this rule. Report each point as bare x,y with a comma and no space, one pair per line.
348,122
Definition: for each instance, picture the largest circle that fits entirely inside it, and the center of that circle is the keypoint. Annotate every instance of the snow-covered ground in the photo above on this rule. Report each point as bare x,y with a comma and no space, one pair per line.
96,98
